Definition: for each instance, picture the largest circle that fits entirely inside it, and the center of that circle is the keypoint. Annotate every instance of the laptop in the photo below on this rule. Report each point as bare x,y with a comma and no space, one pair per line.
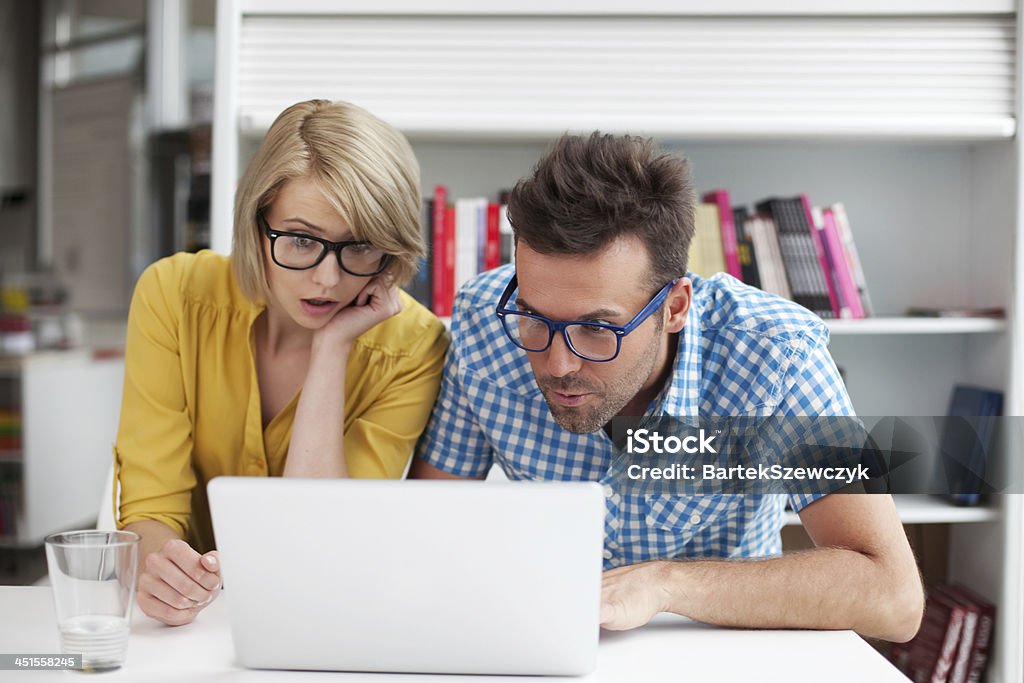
411,576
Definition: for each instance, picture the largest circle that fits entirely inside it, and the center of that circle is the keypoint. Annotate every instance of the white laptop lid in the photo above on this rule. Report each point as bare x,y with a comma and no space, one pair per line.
411,576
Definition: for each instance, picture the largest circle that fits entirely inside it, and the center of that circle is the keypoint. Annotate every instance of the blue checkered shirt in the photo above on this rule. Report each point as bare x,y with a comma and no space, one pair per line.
742,352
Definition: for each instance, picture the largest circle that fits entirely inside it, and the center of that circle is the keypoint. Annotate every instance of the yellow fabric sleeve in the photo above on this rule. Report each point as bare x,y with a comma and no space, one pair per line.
379,443
154,439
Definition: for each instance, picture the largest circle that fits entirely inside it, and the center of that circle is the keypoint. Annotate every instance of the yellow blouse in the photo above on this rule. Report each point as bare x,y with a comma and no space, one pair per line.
191,404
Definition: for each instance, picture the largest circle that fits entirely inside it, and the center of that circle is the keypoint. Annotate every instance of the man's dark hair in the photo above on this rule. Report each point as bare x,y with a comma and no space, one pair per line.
586,192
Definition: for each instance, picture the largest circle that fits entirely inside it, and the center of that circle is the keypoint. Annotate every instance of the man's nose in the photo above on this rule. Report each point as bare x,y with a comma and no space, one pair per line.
561,361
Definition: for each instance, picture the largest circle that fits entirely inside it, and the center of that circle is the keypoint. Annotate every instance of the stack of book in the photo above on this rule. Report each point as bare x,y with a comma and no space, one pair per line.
952,644
787,247
465,236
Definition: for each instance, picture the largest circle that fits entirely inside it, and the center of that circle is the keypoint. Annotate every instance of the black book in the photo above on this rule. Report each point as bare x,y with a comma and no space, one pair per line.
421,287
745,248
799,254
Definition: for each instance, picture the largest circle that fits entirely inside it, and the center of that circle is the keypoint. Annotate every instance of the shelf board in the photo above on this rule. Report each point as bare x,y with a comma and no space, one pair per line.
917,326
10,455
921,509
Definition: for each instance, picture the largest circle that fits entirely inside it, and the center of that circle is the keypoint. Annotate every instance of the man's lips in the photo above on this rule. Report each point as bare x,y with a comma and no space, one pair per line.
569,399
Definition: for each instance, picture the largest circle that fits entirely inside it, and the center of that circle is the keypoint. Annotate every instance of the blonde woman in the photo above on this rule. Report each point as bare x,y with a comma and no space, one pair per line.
297,356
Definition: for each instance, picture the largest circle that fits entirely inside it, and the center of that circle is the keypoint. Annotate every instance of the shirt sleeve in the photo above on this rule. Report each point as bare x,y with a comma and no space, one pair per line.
817,391
153,452
380,442
454,441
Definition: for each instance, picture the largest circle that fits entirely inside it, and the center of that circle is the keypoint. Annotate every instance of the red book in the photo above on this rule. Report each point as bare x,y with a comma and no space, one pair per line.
961,660
933,649
728,226
978,656
449,261
492,245
819,247
439,250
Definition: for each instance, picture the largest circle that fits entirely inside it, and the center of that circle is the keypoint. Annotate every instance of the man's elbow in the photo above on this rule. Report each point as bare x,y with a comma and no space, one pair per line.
903,612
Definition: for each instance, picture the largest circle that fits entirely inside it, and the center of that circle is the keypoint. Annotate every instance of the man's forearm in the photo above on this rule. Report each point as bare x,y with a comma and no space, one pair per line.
824,588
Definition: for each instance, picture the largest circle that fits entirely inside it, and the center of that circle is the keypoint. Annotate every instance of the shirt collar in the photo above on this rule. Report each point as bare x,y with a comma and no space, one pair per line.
681,395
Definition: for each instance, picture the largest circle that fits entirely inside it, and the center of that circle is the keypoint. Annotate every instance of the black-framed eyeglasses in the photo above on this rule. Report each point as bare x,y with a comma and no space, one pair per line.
593,341
299,251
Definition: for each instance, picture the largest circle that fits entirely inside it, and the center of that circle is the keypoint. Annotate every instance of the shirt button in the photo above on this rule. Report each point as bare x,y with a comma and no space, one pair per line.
695,518
607,554
608,492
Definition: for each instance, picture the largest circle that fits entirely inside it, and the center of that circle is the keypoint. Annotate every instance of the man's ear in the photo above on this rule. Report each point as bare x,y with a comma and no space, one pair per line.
677,305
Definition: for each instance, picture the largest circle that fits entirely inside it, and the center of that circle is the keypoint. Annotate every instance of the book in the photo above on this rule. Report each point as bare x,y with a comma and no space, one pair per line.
727,224
492,242
819,248
931,652
439,270
838,210
978,656
968,437
972,614
846,289
421,287
706,254
800,257
745,249
771,269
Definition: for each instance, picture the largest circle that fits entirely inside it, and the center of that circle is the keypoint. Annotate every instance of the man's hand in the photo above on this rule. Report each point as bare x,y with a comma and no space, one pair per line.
177,583
631,595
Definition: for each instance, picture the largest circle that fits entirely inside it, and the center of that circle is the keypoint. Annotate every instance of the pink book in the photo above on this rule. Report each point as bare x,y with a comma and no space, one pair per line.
729,243
819,247
849,296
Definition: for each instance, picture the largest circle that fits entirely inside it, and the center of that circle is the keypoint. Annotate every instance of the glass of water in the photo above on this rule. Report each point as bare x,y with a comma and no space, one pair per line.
93,577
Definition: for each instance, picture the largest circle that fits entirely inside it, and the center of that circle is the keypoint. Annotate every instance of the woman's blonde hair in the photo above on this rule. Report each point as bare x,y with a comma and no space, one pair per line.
363,166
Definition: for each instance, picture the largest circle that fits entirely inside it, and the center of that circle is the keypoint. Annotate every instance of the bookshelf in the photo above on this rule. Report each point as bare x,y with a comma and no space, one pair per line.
906,117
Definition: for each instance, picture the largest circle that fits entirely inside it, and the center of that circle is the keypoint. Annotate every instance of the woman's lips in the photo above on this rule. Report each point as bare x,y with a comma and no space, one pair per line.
318,307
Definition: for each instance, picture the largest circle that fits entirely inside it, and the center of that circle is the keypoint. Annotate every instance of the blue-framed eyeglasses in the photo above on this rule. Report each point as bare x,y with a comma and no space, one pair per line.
593,341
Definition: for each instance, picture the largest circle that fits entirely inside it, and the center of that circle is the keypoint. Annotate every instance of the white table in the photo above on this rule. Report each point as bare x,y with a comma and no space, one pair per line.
670,648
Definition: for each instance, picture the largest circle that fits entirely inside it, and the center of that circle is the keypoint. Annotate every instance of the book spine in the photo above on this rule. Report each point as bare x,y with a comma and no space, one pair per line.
440,251
819,248
845,285
730,242
852,257
449,261
492,252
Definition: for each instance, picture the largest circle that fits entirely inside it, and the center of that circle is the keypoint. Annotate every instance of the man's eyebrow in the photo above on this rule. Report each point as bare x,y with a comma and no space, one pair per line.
597,314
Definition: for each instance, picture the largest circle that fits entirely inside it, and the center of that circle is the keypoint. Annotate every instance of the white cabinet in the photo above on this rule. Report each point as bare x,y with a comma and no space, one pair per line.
907,116
67,405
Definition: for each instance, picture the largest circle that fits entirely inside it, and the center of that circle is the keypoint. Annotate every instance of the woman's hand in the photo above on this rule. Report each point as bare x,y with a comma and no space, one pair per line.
176,583
375,303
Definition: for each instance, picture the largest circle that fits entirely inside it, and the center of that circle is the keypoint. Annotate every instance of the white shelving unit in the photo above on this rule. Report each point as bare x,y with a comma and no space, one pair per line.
921,509
68,404
896,325
903,110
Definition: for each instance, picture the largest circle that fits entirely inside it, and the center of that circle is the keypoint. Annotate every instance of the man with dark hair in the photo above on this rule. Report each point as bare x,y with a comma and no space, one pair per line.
599,320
